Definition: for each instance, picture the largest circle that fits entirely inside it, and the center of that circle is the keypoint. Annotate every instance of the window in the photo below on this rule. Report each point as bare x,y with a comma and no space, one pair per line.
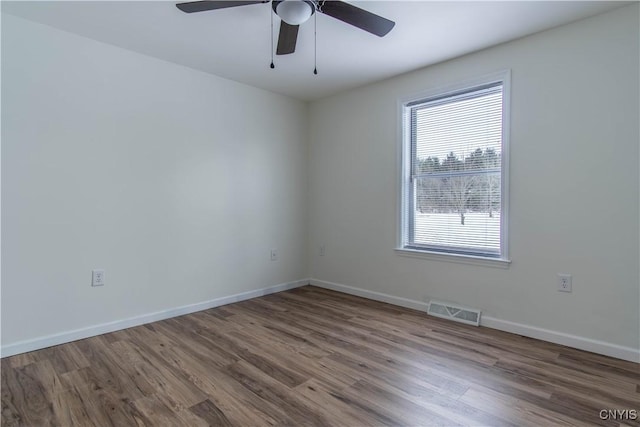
455,171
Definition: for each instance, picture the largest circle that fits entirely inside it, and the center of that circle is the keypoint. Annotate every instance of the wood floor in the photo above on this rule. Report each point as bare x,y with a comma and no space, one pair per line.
312,357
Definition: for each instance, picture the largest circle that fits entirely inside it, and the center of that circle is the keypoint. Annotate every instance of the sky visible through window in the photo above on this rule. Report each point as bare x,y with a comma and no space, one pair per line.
461,127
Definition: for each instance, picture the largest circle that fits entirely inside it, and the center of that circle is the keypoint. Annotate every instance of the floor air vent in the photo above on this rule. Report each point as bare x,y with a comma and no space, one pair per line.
470,316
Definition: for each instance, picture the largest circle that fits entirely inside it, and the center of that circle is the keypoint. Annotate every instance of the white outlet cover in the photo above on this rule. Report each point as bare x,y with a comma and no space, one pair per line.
564,282
97,277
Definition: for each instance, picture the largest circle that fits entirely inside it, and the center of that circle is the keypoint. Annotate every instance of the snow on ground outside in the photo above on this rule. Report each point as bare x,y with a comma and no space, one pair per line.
479,230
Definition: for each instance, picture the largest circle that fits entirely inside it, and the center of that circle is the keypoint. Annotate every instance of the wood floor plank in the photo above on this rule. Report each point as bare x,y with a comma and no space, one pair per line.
64,358
621,370
314,357
245,388
173,388
342,412
284,398
279,333
208,321
566,381
19,360
160,414
58,394
108,371
204,375
526,413
71,410
211,414
394,405
26,396
13,395
210,352
440,402
500,344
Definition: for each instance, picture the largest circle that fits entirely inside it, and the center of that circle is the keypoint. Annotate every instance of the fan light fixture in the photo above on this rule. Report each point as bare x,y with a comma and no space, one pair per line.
294,12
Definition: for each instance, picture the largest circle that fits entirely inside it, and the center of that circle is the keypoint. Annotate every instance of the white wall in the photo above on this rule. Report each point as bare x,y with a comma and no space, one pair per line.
574,184
176,182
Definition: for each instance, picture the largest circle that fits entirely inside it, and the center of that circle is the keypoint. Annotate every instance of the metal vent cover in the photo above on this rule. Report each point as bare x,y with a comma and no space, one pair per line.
457,313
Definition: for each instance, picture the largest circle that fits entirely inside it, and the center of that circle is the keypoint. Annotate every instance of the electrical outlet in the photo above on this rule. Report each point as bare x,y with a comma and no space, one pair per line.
564,282
97,278
321,251
274,254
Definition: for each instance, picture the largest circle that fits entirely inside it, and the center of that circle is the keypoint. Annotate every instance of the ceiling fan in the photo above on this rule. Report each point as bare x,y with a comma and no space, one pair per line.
296,12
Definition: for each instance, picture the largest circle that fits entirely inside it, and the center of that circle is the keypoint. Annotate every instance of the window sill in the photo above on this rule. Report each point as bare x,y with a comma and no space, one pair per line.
456,258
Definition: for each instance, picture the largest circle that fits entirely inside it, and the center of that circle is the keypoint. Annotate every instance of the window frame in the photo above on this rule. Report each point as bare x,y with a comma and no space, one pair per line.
405,159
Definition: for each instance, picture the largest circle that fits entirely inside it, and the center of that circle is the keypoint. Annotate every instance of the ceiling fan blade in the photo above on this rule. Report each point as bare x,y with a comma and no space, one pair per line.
287,38
357,17
202,6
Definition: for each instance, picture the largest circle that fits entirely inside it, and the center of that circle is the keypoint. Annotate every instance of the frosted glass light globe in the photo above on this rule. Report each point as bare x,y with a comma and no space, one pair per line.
294,12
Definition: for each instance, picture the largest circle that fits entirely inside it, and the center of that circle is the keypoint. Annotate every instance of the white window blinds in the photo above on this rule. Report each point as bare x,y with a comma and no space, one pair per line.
454,191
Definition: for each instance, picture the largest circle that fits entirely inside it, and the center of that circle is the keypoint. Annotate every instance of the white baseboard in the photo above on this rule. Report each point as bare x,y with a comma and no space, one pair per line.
377,296
77,334
574,341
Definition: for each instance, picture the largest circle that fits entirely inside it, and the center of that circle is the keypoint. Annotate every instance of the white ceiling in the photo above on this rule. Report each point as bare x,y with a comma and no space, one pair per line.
234,43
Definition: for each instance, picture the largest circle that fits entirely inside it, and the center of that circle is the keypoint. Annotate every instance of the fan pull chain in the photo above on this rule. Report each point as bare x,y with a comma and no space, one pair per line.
271,15
315,43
